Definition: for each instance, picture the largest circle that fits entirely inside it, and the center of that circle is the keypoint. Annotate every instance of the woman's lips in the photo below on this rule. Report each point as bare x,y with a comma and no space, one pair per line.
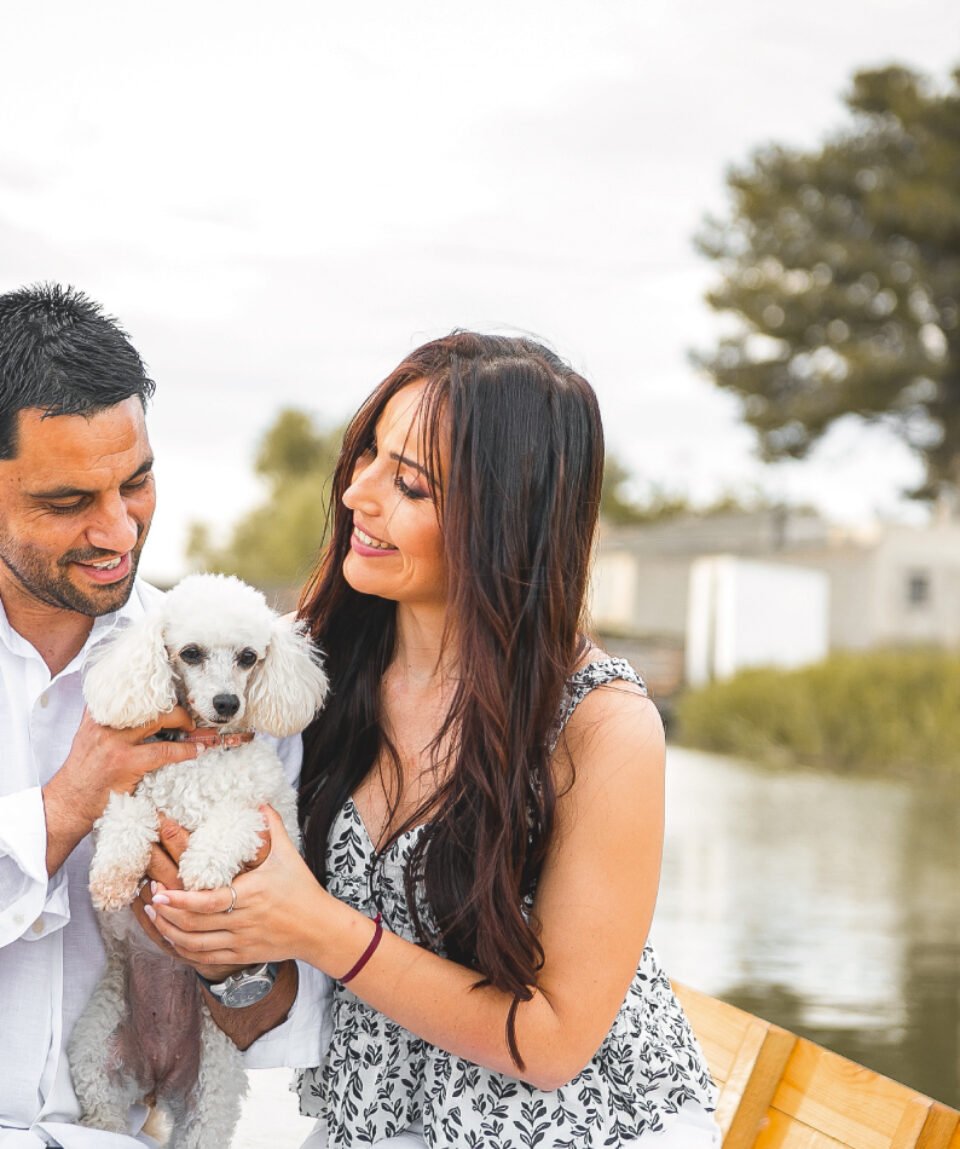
369,545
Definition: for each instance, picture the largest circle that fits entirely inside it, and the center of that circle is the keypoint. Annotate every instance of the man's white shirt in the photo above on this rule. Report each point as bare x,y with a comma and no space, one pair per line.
51,955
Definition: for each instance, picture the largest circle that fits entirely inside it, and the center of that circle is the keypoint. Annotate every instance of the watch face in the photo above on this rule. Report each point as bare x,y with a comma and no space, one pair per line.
247,991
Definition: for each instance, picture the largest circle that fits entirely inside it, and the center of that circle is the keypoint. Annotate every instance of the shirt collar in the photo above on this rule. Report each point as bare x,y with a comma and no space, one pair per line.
131,610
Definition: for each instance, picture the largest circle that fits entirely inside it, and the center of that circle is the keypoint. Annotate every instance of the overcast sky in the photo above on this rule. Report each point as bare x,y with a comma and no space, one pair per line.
280,200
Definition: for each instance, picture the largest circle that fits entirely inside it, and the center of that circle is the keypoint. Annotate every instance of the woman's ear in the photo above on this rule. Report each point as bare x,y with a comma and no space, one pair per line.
128,680
289,686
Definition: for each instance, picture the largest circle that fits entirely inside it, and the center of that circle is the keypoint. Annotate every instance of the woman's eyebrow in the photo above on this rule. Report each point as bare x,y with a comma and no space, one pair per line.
408,462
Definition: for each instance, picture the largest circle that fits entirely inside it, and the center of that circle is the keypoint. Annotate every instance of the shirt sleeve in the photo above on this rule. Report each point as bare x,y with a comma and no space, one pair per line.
31,904
290,753
301,1041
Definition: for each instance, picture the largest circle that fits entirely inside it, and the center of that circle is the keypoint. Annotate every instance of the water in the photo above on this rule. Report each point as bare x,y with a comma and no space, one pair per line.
829,905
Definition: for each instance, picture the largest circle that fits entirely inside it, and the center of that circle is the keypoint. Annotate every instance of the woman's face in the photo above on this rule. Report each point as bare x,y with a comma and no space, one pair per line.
396,549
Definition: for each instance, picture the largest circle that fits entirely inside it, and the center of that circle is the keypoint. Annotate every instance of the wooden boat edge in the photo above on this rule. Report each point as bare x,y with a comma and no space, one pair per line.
779,1091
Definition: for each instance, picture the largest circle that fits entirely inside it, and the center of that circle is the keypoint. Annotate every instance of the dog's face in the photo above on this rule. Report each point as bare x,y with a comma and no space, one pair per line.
212,678
214,646
217,633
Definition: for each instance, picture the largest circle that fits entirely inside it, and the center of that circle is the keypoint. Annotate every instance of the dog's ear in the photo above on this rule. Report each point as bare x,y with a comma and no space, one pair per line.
128,679
289,686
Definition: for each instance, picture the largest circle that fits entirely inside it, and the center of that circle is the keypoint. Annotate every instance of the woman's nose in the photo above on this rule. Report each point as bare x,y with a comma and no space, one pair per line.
362,494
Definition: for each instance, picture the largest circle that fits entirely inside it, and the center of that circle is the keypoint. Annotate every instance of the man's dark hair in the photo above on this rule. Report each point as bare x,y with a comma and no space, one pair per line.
60,354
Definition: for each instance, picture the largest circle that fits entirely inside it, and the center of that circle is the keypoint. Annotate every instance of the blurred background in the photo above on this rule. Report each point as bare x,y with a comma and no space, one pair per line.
742,223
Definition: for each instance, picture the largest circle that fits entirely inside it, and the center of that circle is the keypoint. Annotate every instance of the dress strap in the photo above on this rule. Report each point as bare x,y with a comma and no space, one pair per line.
589,677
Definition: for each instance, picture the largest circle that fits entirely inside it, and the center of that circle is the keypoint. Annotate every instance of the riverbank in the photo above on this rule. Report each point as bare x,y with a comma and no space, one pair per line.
882,712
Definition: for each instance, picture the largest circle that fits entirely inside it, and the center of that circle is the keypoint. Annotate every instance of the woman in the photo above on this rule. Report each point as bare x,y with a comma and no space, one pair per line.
482,798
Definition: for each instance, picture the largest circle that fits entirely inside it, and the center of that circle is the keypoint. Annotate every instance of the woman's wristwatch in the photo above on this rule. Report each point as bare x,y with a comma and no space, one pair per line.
246,987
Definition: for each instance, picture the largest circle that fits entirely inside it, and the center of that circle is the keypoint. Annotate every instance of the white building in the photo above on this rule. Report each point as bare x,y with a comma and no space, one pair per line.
743,613
889,585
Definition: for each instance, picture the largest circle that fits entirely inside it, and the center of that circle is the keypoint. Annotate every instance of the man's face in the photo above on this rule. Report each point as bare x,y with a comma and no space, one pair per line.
75,508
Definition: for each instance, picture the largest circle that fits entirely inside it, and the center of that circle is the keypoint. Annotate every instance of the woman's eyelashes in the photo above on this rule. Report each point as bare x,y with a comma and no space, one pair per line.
416,488
407,491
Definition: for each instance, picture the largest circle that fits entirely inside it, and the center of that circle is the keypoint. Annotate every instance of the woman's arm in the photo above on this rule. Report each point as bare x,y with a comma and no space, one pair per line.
594,904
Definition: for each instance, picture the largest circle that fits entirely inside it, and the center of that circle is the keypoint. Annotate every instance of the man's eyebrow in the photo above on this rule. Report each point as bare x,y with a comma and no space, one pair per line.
72,492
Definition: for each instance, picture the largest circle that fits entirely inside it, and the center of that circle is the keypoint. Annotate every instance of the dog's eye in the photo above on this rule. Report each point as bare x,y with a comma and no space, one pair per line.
191,655
247,658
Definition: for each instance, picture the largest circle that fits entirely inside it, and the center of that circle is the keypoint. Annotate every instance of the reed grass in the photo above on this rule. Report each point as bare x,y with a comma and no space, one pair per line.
886,711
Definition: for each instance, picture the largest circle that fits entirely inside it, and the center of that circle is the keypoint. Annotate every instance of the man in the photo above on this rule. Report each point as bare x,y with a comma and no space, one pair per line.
76,499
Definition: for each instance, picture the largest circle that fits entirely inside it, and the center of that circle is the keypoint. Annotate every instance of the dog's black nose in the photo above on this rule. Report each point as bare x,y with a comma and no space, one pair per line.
226,705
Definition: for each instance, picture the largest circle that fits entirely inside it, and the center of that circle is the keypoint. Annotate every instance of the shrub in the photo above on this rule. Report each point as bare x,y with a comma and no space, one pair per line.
880,711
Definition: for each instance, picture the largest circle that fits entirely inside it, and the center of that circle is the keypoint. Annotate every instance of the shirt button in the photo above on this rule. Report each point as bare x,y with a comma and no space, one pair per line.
44,700
37,926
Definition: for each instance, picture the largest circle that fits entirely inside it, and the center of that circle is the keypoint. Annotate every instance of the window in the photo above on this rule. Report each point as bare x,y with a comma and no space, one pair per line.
918,588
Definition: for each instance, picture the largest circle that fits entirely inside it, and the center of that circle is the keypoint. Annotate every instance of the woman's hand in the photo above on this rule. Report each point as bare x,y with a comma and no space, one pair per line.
242,1026
275,916
163,873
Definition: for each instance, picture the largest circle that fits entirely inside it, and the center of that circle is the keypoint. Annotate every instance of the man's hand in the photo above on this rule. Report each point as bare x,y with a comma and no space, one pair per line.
103,760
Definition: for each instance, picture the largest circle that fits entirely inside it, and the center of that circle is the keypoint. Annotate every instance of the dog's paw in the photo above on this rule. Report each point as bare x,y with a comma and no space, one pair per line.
199,871
112,889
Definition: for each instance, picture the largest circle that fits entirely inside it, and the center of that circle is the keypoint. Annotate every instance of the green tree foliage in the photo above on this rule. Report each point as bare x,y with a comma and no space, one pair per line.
621,506
842,266
276,543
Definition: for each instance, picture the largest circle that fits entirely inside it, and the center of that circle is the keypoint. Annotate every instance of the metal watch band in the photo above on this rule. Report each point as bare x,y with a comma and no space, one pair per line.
245,987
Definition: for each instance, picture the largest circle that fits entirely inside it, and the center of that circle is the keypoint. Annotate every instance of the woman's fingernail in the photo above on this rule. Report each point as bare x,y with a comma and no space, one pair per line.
153,887
161,900
151,913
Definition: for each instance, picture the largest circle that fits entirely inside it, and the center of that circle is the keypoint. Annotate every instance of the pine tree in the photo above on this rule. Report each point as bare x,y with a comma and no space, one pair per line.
843,267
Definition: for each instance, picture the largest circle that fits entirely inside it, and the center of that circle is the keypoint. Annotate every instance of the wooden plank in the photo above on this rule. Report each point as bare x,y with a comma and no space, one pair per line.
746,1057
758,1091
942,1128
782,1132
778,1091
825,1094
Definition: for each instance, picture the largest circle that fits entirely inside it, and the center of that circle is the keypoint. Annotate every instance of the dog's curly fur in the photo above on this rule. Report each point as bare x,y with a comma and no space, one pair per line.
213,646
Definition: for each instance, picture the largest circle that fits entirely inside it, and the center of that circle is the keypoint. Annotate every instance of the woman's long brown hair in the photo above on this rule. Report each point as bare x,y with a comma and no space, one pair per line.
518,506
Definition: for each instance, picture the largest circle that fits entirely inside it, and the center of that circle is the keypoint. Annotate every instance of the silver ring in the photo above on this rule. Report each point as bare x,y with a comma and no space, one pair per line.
233,900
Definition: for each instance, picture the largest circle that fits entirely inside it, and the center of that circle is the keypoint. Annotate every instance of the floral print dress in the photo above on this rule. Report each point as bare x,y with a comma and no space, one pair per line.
378,1079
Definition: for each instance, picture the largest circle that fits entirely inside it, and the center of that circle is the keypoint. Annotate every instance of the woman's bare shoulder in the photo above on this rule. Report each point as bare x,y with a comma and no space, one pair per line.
614,724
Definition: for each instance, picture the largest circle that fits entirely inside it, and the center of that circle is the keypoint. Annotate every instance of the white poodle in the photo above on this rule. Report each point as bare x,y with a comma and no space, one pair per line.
213,646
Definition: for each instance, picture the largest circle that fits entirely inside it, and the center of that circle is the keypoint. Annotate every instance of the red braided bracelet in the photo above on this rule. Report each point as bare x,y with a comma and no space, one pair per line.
367,953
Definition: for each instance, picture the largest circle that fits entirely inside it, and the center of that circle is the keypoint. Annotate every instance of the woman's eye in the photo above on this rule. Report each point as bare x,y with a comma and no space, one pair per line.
247,658
409,492
191,655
